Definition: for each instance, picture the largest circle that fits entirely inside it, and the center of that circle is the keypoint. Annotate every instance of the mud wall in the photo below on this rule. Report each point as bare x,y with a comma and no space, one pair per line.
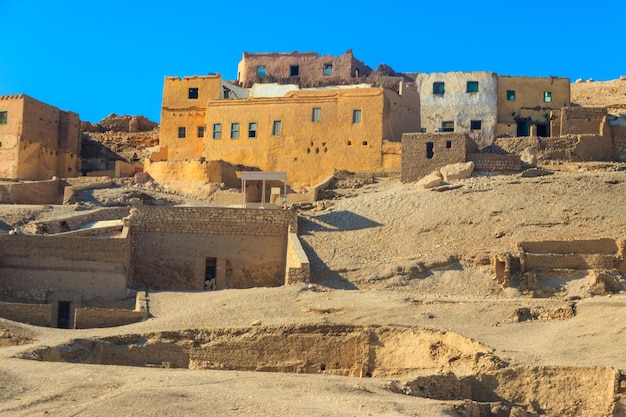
39,192
603,254
581,120
495,163
73,222
31,266
423,153
298,267
35,314
85,318
171,246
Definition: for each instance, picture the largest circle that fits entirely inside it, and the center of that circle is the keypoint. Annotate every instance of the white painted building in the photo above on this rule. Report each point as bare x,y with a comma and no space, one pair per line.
464,102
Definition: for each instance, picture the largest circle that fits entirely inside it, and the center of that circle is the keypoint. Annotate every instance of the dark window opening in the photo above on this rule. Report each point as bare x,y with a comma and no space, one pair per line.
328,69
276,128
510,95
543,130
294,70
429,150
364,143
182,133
349,143
63,316
200,131
448,144
476,124
447,126
523,128
438,87
210,274
193,93
4,117
472,87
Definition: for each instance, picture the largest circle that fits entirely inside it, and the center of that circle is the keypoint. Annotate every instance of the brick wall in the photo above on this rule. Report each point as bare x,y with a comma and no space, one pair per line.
35,314
39,192
85,318
581,120
495,163
423,153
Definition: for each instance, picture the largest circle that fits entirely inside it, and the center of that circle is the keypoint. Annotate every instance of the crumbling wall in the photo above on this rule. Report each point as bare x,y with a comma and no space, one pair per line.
170,246
619,141
73,222
581,120
35,314
601,254
36,192
86,318
298,266
495,163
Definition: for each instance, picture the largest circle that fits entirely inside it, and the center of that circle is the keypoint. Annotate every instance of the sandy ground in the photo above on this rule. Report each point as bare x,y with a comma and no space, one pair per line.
384,254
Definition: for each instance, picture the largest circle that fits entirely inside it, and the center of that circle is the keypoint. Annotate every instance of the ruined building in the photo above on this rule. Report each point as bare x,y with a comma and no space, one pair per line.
305,69
37,141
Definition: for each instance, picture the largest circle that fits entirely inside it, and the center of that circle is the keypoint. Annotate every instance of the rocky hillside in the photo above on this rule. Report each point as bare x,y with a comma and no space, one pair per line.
600,94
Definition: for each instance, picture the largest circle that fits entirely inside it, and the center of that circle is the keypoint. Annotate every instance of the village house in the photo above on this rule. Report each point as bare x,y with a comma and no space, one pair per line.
308,133
37,141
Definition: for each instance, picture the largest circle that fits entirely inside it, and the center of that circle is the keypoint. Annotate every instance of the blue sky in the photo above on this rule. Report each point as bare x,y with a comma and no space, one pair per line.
97,58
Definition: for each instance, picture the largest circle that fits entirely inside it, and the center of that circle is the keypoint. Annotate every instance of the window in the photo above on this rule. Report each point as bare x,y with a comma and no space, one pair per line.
4,117
234,130
476,124
429,150
316,115
472,86
182,133
200,131
328,69
547,96
356,116
448,144
217,131
447,126
252,130
193,93
294,70
260,71
510,95
276,127
438,87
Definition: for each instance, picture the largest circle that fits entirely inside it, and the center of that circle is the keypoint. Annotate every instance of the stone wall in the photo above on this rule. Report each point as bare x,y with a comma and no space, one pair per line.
172,246
619,140
495,163
38,192
86,318
298,266
581,120
32,266
423,153
35,314
73,222
602,254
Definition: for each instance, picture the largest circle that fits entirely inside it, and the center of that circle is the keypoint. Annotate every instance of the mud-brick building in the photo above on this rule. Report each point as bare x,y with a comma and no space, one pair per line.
308,133
463,102
525,103
37,141
305,69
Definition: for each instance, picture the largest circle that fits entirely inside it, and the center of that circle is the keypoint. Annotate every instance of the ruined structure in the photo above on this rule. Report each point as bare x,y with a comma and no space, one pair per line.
306,69
37,141
284,128
45,278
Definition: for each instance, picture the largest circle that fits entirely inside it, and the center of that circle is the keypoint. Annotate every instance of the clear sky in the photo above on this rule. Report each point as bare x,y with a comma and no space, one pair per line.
97,57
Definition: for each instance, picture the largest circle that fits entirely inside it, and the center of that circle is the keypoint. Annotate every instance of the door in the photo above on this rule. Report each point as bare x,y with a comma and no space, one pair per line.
63,317
523,128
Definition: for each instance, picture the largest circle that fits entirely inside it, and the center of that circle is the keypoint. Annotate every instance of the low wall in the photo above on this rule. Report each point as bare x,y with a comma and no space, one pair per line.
298,266
603,254
35,314
489,162
72,223
85,318
606,246
36,192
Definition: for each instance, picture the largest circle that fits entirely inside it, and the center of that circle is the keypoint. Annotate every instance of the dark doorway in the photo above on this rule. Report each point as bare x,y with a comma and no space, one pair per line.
543,130
523,128
429,150
63,317
210,274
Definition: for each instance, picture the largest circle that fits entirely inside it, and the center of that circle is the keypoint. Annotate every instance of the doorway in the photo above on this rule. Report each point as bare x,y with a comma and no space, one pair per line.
210,274
543,130
63,314
523,128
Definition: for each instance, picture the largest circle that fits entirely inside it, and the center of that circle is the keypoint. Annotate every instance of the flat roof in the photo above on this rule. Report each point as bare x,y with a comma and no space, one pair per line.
261,175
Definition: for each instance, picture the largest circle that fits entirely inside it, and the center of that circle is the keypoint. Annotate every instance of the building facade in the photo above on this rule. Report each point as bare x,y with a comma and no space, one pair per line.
306,69
463,102
525,104
37,141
